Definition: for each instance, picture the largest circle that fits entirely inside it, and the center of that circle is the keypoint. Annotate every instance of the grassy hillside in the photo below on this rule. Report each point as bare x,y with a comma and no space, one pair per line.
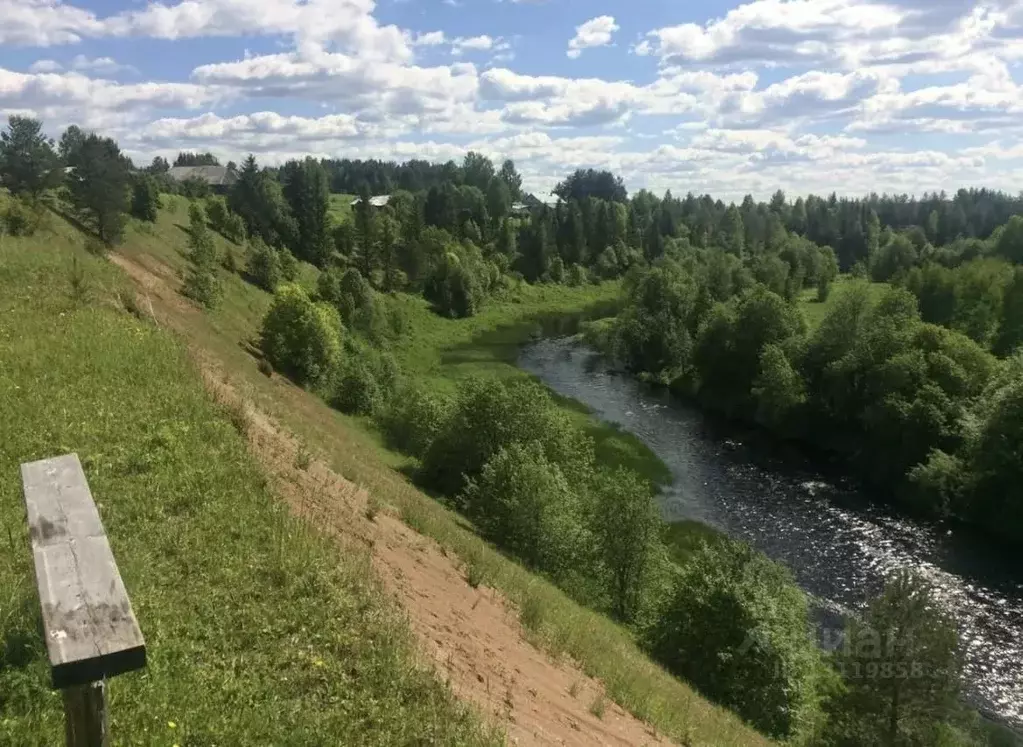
259,631
440,351
341,206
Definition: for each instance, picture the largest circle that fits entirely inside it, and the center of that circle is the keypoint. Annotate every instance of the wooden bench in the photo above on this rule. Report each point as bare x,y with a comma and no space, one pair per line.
90,628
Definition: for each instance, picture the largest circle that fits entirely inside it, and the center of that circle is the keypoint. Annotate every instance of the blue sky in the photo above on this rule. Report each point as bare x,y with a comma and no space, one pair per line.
723,97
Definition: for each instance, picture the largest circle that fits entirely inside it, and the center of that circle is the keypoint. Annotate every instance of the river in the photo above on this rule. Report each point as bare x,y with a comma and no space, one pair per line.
837,541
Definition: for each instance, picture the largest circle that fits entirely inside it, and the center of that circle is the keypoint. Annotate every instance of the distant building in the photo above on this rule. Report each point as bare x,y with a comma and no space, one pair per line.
519,208
220,178
378,202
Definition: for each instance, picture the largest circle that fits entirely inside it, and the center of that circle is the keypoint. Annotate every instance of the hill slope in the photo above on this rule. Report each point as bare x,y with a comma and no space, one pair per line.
471,630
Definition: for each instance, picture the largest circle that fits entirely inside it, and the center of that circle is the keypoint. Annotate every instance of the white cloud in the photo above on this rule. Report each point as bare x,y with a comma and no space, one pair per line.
60,99
472,43
99,65
45,66
596,32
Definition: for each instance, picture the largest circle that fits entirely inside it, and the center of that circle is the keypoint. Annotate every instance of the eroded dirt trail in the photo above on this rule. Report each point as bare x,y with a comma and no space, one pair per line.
472,635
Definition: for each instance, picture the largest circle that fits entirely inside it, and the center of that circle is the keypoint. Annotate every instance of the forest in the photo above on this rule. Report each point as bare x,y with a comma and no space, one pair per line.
910,376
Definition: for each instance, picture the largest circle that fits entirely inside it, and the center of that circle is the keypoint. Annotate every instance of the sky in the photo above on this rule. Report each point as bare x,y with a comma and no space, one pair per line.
846,96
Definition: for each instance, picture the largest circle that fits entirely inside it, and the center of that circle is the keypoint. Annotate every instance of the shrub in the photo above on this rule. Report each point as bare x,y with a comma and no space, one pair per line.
736,626
523,502
264,267
202,283
301,338
488,415
413,419
21,217
289,265
358,392
145,199
577,276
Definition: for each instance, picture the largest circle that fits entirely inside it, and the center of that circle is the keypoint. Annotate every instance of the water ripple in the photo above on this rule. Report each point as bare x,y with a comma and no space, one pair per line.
838,543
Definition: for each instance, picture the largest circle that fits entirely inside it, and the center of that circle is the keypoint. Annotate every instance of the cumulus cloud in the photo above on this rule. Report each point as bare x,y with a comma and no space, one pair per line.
596,32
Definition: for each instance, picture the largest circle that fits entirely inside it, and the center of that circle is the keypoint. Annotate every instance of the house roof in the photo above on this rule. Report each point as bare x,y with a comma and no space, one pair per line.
212,175
378,201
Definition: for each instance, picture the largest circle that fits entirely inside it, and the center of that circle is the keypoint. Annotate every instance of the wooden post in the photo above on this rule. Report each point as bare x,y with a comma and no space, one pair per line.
90,628
85,716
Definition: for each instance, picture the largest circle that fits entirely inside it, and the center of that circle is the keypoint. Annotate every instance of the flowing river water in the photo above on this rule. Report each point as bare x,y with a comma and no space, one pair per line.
837,541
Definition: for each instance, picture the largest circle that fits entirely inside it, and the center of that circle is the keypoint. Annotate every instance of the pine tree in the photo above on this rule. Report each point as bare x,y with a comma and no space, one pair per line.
202,283
99,185
28,163
308,194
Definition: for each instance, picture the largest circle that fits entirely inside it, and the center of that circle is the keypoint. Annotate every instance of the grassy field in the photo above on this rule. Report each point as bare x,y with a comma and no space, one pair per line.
258,631
341,207
440,352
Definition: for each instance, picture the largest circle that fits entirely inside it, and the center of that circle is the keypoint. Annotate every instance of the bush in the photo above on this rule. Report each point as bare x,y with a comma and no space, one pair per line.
358,392
289,265
523,502
22,218
264,266
490,414
301,338
414,418
145,199
577,276
736,626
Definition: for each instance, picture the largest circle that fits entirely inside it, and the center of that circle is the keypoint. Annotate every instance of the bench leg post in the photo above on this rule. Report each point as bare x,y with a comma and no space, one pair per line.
85,716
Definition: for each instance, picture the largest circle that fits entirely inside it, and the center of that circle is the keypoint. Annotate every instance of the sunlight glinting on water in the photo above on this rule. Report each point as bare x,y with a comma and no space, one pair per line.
838,544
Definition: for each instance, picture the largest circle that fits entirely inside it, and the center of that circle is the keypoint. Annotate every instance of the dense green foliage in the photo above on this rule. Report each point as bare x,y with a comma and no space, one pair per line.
202,283
145,199
301,337
901,667
28,163
735,625
99,185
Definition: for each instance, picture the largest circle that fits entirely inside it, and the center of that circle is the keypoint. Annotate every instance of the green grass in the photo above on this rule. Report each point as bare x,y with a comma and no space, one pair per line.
442,352
341,207
258,630
814,311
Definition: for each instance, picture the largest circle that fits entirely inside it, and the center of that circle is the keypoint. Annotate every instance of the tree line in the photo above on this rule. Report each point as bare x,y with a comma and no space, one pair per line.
708,309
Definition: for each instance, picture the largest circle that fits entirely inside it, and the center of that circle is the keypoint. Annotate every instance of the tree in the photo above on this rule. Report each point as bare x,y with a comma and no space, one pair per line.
70,142
524,503
145,199
264,265
202,283
736,626
627,529
308,195
1010,324
158,166
901,668
28,163
590,183
99,185
511,177
489,414
257,197
196,159
498,199
365,231
477,170
732,235
301,338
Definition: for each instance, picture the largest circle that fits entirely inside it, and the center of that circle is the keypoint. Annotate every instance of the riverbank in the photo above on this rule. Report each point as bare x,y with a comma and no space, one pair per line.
838,542
439,353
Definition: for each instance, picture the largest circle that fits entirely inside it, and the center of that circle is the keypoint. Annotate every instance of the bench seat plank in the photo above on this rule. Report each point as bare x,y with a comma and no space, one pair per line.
90,627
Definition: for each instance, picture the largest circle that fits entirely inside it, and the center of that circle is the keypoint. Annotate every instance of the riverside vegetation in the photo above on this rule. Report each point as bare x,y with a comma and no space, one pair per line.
353,305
